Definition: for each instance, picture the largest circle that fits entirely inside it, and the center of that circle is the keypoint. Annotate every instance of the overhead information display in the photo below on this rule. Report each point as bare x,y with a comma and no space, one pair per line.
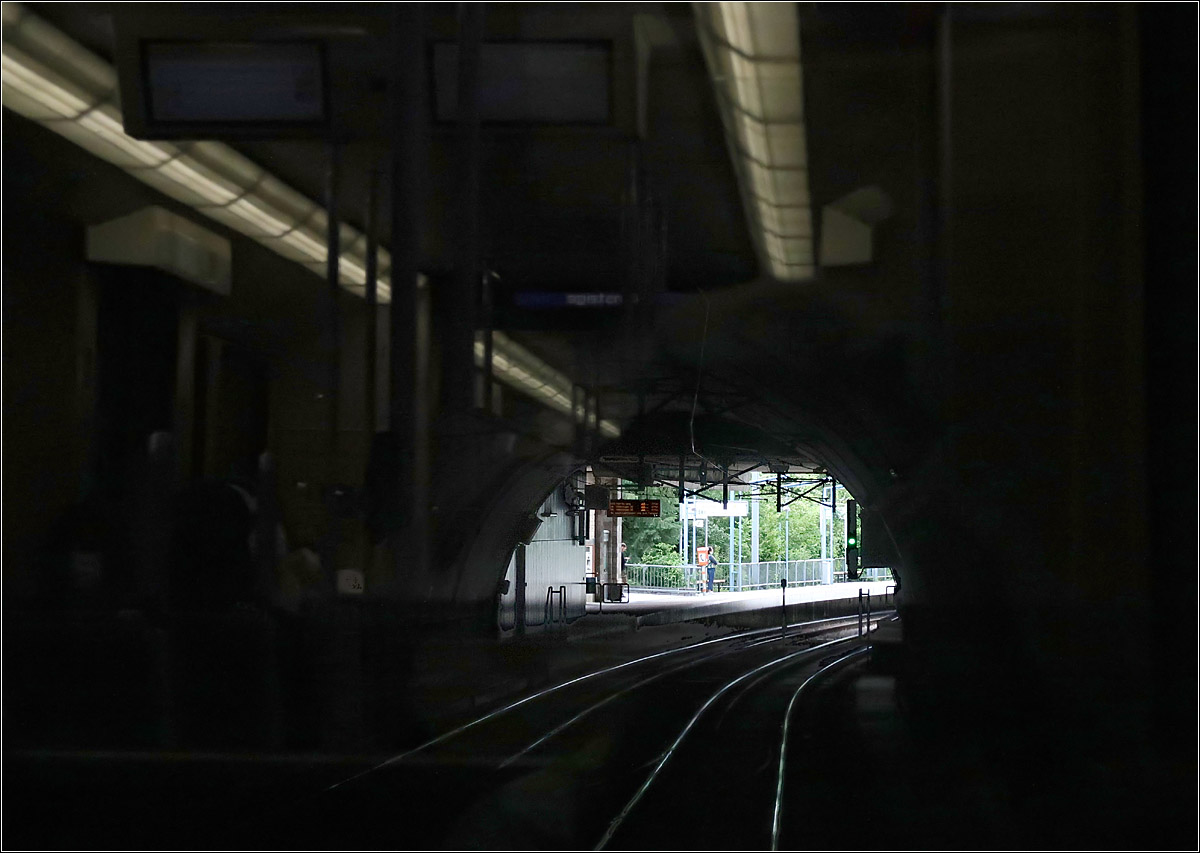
208,89
635,509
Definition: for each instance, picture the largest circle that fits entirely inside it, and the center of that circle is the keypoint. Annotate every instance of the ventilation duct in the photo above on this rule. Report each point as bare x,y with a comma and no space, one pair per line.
847,226
155,237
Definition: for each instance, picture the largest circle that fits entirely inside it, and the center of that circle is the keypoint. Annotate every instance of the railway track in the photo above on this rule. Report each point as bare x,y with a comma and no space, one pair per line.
589,761
724,757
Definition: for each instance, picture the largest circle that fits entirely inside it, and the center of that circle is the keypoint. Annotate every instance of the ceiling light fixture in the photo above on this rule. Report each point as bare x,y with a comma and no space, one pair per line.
753,56
52,80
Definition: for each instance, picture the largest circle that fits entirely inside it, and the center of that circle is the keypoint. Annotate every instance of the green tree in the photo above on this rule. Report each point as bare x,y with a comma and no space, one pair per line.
794,531
661,554
640,534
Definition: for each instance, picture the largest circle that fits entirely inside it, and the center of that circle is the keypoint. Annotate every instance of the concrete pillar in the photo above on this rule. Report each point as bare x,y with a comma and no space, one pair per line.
729,559
407,408
620,538
824,540
686,524
611,561
457,337
185,390
331,333
754,531
607,538
519,590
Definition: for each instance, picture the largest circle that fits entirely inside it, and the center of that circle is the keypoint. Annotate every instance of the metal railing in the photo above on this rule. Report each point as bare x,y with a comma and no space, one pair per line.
650,576
875,575
548,614
864,596
748,576
766,575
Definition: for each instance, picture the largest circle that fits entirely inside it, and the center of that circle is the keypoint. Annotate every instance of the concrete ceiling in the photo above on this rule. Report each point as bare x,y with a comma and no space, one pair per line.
555,201
556,210
551,197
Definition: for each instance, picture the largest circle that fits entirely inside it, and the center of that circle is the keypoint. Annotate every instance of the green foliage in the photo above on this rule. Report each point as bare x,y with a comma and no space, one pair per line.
672,577
661,554
794,532
657,555
639,534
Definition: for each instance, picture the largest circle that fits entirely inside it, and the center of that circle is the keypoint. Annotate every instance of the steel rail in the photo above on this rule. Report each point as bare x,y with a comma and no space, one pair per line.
442,738
445,736
616,822
823,671
611,697
596,706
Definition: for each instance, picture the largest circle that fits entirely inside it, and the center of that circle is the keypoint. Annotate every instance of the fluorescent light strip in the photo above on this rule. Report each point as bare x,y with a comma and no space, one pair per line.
535,378
247,208
769,152
225,181
38,87
353,270
43,40
300,241
110,130
180,171
213,172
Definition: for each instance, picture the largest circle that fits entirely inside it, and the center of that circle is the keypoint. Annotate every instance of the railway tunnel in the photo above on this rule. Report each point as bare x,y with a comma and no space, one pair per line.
464,261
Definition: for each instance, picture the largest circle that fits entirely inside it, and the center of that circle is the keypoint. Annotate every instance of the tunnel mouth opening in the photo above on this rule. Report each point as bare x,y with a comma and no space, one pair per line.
679,465
689,458
681,484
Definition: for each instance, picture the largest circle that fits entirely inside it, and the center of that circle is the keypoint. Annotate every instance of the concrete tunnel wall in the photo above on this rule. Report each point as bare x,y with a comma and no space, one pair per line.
1017,431
502,505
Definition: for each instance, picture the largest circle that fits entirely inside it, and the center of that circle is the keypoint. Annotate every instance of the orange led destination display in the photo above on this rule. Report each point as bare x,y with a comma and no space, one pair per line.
643,509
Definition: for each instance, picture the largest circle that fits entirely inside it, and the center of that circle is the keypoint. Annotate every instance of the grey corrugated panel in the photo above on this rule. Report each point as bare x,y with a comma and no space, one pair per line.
552,560
553,564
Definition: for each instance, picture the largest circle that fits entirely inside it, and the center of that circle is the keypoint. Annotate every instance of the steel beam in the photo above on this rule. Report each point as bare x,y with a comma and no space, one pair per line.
460,308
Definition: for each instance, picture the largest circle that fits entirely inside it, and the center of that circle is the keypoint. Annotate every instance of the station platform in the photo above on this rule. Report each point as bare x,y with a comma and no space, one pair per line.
654,608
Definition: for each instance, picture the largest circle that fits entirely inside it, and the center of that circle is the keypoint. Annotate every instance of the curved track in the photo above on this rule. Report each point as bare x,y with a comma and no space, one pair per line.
675,749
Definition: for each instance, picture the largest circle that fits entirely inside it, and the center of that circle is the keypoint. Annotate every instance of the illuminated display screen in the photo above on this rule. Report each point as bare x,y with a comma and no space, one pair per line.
636,509
235,82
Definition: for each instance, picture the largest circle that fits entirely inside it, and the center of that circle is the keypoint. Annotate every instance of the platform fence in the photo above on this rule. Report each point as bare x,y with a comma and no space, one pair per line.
656,577
740,577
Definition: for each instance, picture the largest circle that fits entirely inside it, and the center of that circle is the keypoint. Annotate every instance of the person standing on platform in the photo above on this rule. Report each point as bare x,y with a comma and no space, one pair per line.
712,568
624,562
